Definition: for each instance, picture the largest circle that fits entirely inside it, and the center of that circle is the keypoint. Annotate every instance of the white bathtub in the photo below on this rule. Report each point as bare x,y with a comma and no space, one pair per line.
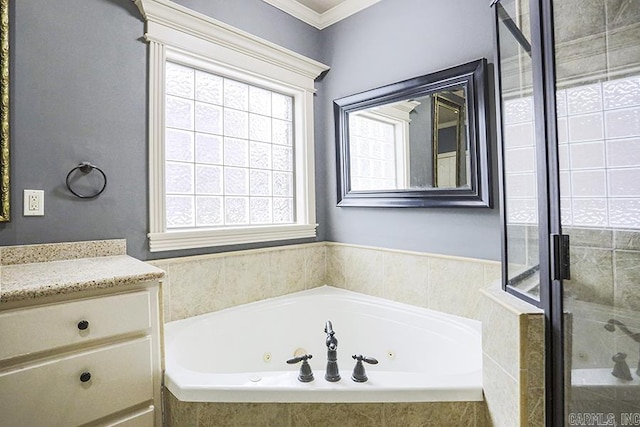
239,354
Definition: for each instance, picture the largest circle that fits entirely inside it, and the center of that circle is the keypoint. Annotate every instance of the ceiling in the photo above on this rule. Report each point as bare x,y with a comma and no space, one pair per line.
321,13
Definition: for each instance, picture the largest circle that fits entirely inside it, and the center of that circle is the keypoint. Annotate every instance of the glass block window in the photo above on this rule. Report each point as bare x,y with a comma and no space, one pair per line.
229,152
375,163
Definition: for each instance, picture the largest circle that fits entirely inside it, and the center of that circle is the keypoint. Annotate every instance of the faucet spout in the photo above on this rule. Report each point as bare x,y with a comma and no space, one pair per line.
332,373
332,341
328,328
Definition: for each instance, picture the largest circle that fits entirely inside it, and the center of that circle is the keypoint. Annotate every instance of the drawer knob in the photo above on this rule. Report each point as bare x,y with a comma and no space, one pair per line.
85,376
83,324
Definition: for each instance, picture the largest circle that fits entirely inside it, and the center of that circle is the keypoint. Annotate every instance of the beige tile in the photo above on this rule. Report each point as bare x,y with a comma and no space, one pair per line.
627,270
501,335
535,407
591,275
244,414
177,413
337,414
627,239
623,50
315,265
406,278
335,257
501,393
482,415
435,414
453,286
165,289
533,350
196,287
492,273
575,19
591,237
622,13
286,271
247,278
363,270
584,58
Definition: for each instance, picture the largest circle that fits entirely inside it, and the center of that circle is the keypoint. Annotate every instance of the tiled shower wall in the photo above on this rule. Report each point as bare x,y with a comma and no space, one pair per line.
603,286
201,284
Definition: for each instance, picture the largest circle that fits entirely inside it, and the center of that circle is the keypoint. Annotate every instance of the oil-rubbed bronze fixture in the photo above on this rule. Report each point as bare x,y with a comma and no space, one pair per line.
332,374
306,375
611,326
86,168
359,375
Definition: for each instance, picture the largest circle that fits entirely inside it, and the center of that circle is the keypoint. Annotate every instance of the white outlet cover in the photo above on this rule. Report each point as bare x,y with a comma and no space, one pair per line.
38,209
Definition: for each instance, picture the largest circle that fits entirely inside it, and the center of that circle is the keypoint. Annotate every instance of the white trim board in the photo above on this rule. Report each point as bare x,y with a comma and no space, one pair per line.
321,20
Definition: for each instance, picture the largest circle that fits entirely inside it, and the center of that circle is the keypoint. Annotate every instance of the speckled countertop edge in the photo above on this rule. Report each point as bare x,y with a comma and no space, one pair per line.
21,282
44,252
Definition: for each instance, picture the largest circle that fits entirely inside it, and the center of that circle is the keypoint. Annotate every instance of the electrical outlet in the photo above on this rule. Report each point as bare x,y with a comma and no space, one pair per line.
33,203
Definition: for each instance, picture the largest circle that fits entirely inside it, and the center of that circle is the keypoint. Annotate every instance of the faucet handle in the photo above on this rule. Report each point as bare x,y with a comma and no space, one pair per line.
621,369
306,375
367,359
295,360
359,375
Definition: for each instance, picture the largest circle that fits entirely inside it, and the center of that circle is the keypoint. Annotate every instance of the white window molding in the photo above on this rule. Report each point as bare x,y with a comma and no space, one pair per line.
179,34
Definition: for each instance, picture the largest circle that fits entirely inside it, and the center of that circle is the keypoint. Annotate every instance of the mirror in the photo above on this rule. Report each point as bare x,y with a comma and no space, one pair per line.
420,142
4,110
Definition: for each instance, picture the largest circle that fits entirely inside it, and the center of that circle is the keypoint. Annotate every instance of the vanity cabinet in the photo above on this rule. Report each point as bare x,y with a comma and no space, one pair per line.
84,360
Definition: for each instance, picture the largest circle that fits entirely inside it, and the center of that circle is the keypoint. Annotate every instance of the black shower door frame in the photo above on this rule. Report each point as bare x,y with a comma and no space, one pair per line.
553,248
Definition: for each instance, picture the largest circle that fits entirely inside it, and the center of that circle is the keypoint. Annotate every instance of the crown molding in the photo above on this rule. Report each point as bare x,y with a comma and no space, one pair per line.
165,16
321,20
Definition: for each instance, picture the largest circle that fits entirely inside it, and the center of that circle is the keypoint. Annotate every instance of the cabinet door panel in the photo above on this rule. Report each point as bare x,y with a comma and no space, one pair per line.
52,393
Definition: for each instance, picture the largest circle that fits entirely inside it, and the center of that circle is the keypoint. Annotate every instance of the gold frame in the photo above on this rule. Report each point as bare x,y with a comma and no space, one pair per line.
4,112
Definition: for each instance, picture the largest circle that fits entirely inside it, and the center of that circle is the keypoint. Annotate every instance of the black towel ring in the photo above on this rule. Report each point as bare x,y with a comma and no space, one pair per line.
86,167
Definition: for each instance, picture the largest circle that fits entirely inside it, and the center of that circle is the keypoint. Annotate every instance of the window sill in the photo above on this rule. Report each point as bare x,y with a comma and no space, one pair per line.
191,239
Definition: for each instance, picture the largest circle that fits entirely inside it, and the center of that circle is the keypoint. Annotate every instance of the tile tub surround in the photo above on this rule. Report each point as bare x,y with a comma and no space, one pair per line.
513,360
513,367
35,271
201,284
205,283
436,414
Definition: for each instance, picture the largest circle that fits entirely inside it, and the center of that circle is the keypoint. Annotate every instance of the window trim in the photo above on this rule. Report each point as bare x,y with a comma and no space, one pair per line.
179,34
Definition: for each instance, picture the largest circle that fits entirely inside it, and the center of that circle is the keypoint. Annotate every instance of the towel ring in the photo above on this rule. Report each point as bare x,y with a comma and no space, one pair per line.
86,167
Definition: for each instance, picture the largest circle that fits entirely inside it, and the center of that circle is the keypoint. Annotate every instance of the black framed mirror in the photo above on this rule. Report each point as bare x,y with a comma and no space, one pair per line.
421,142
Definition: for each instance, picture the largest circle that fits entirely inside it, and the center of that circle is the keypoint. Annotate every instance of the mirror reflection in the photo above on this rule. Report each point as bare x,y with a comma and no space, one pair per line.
418,143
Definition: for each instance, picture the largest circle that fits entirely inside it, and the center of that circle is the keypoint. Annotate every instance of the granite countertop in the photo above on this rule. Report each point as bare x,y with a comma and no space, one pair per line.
39,279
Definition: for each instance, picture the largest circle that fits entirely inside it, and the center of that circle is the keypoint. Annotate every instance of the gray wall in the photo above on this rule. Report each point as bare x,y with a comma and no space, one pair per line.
391,41
79,92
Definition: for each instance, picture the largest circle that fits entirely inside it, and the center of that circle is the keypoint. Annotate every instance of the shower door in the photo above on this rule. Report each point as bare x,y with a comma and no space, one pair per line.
569,86
597,90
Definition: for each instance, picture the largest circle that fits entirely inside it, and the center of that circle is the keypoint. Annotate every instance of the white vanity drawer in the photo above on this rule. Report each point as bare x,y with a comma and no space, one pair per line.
46,327
144,418
52,393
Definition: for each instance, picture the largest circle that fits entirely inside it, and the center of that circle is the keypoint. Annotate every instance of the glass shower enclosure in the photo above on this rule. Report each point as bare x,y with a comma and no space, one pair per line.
569,89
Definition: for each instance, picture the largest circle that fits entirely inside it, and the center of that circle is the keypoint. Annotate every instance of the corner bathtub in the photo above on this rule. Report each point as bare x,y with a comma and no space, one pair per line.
239,354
